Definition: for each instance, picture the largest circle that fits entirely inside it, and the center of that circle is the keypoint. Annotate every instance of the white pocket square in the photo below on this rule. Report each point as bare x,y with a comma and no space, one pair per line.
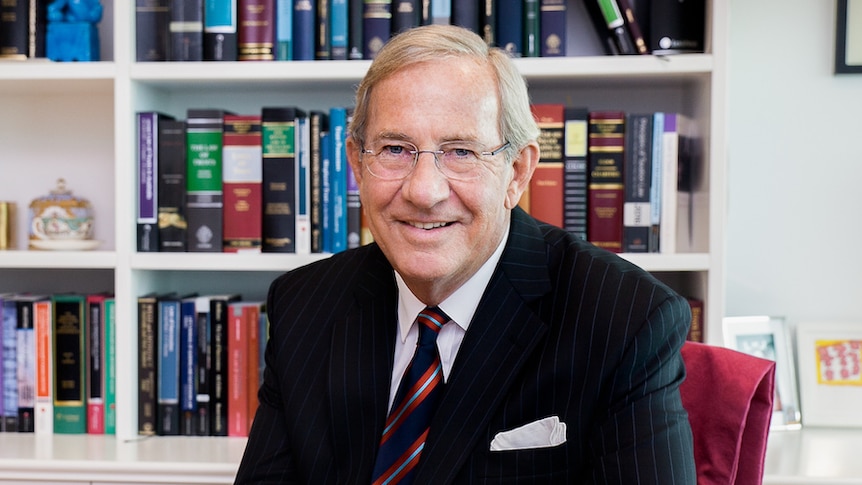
544,433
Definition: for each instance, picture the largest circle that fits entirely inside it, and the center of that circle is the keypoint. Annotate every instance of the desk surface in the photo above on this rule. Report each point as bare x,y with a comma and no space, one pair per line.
822,456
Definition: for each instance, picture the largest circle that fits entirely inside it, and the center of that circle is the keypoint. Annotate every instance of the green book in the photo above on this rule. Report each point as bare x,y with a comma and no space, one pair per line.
110,367
204,184
70,330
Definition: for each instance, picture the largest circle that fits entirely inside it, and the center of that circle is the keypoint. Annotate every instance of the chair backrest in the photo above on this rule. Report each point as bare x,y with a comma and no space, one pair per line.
728,396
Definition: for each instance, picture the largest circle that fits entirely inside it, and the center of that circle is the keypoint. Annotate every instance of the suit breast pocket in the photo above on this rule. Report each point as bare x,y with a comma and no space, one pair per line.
533,465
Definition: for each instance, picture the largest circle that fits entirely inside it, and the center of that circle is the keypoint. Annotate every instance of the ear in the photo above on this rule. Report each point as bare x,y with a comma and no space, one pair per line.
352,149
522,171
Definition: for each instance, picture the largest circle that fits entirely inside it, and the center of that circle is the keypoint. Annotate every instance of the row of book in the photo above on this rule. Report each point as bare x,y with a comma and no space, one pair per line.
59,363
272,181
267,30
200,363
622,181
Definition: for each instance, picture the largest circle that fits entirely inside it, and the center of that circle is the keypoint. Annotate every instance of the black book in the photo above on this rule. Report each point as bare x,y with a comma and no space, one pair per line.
355,21
187,30
14,28
319,124
152,33
465,13
676,26
406,14
172,186
278,130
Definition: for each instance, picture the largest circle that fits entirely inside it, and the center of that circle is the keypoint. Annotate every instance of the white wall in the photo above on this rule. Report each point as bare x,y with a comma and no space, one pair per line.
794,231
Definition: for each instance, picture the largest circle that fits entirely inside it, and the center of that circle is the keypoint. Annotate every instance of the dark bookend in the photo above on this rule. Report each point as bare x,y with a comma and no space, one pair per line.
278,131
304,28
510,26
243,176
256,31
172,169
70,330
546,186
219,324
187,30
95,363
638,180
220,30
376,26
553,28
204,183
616,25
605,183
575,171
149,123
676,26
152,34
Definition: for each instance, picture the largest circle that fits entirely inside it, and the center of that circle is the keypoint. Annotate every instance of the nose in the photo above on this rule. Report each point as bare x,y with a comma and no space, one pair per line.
426,185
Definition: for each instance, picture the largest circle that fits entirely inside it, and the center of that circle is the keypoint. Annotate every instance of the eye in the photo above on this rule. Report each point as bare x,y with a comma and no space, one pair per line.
396,150
459,152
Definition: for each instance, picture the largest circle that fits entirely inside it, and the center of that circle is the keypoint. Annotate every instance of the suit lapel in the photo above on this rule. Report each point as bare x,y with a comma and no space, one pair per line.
501,338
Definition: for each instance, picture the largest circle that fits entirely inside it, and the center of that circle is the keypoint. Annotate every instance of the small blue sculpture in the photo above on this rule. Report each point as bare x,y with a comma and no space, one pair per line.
71,33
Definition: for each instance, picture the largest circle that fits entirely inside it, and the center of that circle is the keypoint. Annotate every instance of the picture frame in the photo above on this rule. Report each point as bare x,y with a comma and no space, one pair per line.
830,372
767,337
848,37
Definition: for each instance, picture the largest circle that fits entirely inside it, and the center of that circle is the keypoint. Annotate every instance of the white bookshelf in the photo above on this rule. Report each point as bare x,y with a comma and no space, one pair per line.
76,120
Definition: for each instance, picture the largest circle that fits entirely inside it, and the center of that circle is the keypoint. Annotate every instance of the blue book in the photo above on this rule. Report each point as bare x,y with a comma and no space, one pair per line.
338,178
220,30
376,26
326,192
510,26
304,26
167,368
9,417
656,181
188,350
110,367
441,12
552,22
283,30
338,29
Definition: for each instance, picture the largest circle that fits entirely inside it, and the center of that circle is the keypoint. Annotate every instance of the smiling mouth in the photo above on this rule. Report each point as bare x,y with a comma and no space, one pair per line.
429,225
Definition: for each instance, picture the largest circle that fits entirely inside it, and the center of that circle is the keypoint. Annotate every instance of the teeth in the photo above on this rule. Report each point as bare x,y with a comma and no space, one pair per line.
428,225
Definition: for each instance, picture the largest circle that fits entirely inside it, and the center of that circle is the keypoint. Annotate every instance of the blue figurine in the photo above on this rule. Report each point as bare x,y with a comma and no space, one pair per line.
71,32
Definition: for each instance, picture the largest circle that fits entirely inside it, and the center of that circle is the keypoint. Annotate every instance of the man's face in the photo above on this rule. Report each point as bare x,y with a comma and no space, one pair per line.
437,232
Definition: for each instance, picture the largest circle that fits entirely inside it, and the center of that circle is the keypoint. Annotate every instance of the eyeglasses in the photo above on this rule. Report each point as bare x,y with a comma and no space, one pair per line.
395,160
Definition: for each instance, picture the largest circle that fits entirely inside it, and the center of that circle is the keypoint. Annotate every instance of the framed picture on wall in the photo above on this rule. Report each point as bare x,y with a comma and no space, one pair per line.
767,337
848,37
830,372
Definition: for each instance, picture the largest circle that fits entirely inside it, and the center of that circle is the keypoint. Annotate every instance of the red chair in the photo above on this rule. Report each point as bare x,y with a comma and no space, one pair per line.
728,396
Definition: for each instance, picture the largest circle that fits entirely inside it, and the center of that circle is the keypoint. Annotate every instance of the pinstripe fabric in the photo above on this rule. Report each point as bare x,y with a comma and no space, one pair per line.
564,329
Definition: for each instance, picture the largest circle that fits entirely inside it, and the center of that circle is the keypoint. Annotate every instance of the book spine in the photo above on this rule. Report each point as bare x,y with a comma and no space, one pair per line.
695,330
406,14
656,182
10,366
44,413
243,178
338,28
465,13
322,40
532,29
70,414
168,392
110,415
147,362
318,124
633,26
355,34
354,212
187,30
219,390
616,24
441,12
303,186
148,159
202,370
304,25
188,367
152,35
283,30
220,30
95,368
173,225
546,186
638,176
575,172
14,18
257,30
26,366
326,192
510,26
278,131
605,191
204,188
488,21
338,181
376,26
253,316
553,28
238,371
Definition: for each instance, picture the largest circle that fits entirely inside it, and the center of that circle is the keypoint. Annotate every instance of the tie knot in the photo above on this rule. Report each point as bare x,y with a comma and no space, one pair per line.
431,320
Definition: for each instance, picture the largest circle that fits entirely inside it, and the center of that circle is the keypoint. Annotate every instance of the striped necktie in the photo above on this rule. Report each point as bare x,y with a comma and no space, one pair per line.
415,401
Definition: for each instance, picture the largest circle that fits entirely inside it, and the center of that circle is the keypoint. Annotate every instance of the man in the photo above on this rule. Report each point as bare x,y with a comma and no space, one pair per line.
561,361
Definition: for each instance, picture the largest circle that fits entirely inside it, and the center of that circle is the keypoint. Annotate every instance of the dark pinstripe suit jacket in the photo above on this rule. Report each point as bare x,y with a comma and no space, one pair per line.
563,329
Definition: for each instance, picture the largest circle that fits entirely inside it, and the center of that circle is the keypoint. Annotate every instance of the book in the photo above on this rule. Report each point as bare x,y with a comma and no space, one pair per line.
203,383
407,14
605,154
552,28
676,26
188,350
318,125
70,330
616,25
14,20
186,29
257,30
338,30
546,185
656,181
204,183
355,34
633,26
376,26
172,222
220,30
532,29
465,13
488,21
148,323
326,192
603,36
354,211
43,415
338,179
677,159
304,27
9,373
303,185
149,123
243,356
110,367
283,30
695,330
95,363
242,178
168,366
441,12
152,34
26,361
510,26
322,34
575,171
219,390
278,131
637,171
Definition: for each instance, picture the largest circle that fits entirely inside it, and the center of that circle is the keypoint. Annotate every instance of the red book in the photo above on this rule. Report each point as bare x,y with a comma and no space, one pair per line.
256,30
243,353
605,178
242,174
546,186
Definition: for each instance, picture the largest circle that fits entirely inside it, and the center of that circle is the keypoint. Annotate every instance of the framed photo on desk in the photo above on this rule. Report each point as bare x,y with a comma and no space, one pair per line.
830,372
766,337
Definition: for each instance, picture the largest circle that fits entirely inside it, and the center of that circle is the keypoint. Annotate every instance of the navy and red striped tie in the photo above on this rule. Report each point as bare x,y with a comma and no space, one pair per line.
415,402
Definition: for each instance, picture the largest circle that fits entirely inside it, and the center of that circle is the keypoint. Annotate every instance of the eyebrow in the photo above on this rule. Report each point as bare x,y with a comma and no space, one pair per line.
386,135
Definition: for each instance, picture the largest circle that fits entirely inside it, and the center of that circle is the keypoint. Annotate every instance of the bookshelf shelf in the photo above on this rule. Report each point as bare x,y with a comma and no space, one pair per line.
77,120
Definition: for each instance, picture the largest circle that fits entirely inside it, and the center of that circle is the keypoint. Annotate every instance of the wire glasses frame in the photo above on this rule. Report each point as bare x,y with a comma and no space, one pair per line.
454,160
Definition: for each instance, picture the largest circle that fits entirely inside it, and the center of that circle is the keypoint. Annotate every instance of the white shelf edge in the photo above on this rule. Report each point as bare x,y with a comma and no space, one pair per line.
681,262
60,71
221,261
35,259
